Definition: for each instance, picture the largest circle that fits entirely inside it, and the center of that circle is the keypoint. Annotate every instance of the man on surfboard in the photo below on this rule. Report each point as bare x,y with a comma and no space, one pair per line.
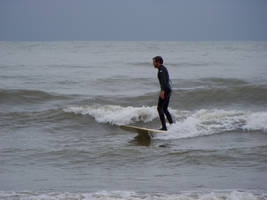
165,92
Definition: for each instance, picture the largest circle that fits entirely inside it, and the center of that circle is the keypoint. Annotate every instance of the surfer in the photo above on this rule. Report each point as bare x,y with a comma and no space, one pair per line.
165,92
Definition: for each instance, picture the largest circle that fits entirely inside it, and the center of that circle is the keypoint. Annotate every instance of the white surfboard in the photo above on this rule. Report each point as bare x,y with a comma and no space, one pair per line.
141,131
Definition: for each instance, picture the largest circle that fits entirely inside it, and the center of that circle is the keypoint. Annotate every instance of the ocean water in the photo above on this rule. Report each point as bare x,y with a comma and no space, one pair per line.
61,104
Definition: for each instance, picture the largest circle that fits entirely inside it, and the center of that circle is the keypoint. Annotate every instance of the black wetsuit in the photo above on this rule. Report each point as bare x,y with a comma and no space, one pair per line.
163,104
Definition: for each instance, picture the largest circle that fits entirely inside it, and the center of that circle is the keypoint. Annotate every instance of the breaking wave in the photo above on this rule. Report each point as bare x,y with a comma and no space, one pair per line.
188,124
116,115
208,122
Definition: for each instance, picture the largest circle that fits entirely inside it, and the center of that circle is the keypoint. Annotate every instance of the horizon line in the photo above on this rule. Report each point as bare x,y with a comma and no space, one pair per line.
133,40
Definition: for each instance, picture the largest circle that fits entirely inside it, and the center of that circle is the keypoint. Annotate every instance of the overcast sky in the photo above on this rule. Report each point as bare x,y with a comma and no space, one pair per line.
191,20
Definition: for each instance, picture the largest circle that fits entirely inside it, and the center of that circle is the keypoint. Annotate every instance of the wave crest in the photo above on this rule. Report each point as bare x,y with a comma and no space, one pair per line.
188,124
208,122
116,115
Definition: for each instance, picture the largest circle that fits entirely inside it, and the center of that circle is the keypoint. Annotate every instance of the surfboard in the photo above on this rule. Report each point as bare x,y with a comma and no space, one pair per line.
143,132
140,129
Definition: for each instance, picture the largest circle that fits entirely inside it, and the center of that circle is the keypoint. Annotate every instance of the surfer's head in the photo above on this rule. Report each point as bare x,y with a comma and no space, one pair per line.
157,61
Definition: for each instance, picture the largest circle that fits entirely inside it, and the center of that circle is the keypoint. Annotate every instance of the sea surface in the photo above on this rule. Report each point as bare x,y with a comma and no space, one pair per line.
61,104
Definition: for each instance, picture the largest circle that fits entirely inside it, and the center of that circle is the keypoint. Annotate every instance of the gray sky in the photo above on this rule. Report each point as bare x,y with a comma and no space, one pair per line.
133,20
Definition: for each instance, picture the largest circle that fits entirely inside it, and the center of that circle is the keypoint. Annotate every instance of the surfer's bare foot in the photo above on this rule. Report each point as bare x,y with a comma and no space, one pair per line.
163,129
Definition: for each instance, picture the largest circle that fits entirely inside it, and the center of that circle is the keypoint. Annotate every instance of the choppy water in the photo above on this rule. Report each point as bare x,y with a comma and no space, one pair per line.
61,104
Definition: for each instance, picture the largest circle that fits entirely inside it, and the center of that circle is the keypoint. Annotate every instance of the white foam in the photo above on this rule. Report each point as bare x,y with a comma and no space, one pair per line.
207,122
118,115
256,121
188,124
128,195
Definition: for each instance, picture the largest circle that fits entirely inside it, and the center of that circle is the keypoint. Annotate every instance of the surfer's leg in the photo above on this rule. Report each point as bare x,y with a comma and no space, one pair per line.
161,113
165,108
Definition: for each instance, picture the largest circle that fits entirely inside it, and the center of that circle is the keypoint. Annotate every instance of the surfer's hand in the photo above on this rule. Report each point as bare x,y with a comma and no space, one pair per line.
162,94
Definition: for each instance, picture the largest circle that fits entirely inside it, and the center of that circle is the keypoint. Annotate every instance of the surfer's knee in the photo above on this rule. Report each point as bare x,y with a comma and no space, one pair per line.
165,109
160,109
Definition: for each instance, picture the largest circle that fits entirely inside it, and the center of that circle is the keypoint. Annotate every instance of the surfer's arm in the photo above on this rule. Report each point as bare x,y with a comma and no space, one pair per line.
163,83
162,94
163,80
